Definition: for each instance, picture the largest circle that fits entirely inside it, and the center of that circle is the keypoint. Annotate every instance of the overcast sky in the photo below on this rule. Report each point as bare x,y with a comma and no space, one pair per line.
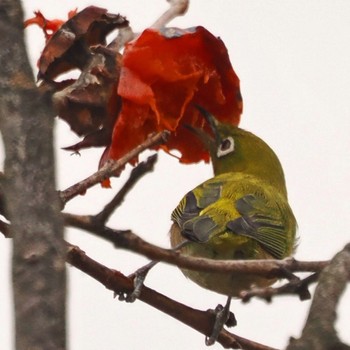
293,60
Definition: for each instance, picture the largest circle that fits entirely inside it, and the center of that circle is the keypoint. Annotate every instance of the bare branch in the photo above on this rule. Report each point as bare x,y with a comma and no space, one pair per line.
5,229
296,286
136,174
177,8
319,332
202,321
129,240
126,34
111,167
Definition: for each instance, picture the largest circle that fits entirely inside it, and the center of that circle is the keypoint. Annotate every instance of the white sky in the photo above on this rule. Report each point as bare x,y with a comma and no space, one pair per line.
292,58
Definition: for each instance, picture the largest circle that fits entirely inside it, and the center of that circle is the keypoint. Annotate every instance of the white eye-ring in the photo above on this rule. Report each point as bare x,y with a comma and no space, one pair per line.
226,146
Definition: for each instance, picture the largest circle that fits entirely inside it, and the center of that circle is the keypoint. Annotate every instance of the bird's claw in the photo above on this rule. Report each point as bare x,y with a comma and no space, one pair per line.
223,316
138,277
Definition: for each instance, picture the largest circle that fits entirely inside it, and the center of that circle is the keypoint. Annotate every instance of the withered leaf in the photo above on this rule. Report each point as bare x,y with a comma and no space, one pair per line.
69,47
89,104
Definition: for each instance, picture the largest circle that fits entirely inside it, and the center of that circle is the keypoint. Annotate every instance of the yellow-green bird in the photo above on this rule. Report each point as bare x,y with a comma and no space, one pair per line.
241,213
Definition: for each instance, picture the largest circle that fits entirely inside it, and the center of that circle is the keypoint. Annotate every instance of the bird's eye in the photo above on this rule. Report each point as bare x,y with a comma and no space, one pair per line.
226,146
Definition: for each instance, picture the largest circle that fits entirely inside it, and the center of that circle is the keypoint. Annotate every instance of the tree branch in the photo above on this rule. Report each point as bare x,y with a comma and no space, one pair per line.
296,286
126,34
177,8
139,171
130,241
319,332
111,167
5,229
202,321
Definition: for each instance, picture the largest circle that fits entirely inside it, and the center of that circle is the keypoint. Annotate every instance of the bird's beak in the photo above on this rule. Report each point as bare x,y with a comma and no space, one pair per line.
207,140
213,123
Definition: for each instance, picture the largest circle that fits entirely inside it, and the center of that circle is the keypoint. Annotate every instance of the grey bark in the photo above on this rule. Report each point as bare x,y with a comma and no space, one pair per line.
32,204
319,331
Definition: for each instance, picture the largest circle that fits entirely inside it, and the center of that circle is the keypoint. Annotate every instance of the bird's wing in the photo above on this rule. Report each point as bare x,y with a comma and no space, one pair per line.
262,222
194,226
209,211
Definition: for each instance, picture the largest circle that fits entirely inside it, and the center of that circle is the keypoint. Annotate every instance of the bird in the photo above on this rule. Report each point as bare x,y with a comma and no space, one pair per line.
241,213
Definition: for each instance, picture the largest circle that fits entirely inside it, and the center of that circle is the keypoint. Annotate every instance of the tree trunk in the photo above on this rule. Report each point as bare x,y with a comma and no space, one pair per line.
32,205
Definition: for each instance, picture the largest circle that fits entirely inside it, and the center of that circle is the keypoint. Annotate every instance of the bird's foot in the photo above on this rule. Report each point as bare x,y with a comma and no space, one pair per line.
223,316
138,277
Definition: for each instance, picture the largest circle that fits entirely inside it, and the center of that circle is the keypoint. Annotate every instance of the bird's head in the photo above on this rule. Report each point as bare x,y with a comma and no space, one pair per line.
233,149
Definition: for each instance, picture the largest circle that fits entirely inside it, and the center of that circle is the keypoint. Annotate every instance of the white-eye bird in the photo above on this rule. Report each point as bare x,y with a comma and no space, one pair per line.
241,213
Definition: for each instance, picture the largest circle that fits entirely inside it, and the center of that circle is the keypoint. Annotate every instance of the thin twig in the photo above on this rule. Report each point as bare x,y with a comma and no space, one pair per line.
5,229
177,8
136,174
202,321
124,36
130,241
112,167
296,286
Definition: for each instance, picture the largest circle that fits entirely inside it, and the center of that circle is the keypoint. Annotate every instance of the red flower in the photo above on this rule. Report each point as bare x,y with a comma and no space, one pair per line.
155,85
163,76
49,27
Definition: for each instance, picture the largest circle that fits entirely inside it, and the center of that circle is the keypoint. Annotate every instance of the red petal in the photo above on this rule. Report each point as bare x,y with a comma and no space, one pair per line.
163,75
49,27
